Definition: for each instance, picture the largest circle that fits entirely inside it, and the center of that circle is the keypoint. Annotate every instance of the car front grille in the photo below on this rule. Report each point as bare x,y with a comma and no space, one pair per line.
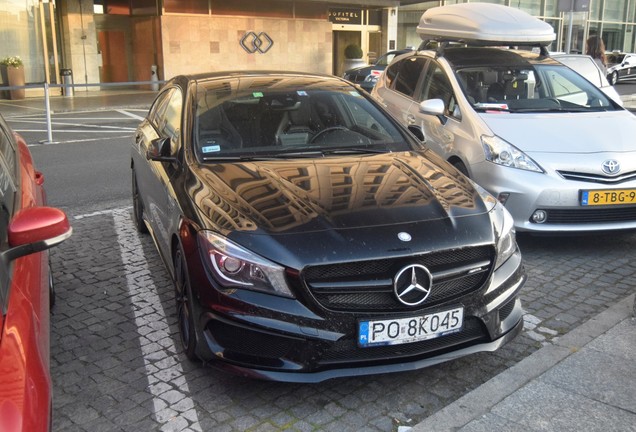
592,216
597,178
367,286
347,350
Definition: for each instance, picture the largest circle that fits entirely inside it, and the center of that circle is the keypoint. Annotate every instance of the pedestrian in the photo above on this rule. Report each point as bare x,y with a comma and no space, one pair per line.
595,48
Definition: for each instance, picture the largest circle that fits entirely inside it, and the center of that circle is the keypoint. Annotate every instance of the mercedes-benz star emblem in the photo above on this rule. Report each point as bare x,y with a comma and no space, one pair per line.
404,236
611,166
412,284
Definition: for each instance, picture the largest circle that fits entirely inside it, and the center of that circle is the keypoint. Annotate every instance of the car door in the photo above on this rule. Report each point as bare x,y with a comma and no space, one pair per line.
628,68
155,177
439,131
398,87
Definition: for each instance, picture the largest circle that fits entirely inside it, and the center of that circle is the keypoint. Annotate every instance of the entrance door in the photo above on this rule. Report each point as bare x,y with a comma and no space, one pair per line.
340,41
112,44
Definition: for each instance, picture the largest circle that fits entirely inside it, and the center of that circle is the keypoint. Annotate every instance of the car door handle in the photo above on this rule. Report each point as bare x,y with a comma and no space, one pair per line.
410,119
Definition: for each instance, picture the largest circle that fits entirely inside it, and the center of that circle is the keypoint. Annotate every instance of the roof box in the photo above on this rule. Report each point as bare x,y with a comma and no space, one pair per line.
484,24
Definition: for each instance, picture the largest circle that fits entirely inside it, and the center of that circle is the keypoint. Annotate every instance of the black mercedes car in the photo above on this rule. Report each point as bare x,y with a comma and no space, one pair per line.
367,76
310,236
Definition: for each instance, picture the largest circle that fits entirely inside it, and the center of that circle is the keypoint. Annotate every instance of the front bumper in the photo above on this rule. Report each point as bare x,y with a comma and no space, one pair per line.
258,336
527,192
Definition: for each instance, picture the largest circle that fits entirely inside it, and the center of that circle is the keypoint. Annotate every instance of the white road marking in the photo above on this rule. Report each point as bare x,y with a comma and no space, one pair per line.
129,114
173,407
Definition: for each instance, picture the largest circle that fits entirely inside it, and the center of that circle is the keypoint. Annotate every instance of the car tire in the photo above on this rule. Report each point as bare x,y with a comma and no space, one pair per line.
183,300
138,207
613,78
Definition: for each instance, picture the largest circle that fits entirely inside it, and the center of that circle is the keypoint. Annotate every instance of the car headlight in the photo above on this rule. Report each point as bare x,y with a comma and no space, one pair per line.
236,267
503,224
503,153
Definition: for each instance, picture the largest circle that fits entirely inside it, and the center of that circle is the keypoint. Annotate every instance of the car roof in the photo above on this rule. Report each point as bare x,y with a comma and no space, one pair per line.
470,56
267,79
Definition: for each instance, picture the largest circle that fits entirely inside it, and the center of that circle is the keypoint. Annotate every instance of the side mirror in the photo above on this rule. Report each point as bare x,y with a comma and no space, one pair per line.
36,229
434,107
159,150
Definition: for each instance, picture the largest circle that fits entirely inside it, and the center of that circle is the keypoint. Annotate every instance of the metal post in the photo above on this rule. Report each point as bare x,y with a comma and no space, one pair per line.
568,43
47,106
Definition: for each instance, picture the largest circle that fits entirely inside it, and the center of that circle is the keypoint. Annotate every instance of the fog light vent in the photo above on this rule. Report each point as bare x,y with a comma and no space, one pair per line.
539,216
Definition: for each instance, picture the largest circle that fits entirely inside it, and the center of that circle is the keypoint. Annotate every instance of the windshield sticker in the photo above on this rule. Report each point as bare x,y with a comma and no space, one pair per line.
502,106
257,94
211,149
301,93
355,93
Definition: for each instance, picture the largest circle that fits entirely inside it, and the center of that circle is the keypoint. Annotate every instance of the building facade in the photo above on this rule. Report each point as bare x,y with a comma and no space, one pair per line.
124,41
573,21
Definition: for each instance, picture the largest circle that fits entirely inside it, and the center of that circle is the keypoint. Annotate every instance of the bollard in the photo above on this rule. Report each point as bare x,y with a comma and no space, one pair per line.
67,81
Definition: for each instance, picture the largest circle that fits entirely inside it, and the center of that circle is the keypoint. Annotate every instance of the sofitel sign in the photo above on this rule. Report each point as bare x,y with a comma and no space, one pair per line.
345,16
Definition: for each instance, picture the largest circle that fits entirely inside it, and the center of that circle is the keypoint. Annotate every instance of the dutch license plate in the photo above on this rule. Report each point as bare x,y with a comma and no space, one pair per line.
608,197
407,330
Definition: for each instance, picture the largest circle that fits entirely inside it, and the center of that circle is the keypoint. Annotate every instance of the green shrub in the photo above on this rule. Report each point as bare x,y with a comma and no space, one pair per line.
353,51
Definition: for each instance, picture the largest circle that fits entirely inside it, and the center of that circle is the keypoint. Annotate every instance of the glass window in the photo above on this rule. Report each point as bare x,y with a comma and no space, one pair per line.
410,71
243,119
436,85
270,8
170,122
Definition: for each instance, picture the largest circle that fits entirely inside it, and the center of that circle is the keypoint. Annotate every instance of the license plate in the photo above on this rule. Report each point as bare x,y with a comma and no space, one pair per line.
608,197
407,330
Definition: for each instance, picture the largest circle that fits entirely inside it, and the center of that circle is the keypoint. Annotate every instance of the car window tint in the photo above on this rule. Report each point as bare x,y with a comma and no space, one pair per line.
8,170
391,73
279,119
409,74
435,85
158,109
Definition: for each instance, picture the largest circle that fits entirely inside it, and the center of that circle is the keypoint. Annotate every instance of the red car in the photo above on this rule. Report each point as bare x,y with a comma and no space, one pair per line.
27,229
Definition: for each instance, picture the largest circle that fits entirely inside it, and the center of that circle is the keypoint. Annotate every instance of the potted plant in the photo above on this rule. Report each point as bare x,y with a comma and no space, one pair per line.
353,57
13,75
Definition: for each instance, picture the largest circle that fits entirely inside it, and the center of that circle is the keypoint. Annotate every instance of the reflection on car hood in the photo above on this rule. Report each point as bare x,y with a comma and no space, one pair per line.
357,198
566,132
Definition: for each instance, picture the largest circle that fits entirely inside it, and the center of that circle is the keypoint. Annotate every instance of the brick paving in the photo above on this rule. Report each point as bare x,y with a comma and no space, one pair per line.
115,366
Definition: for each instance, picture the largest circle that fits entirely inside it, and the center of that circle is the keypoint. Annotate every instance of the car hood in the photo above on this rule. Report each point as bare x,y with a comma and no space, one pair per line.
350,206
569,133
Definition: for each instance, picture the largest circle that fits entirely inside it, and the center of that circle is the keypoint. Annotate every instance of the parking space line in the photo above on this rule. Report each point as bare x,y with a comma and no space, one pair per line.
129,114
173,407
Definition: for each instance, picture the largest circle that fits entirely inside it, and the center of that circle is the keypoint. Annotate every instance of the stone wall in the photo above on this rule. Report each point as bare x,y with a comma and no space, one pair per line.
192,44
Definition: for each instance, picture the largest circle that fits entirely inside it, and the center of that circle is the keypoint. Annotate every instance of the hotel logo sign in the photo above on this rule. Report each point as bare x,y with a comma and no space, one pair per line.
253,42
345,16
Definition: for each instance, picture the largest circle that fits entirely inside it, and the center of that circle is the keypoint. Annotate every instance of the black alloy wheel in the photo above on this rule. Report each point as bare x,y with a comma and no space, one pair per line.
613,78
138,207
183,298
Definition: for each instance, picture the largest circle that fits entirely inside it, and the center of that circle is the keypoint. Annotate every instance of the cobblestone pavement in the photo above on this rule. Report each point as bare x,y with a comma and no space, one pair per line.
115,365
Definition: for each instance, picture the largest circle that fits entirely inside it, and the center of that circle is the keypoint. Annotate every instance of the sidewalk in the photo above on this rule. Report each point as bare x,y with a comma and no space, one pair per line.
585,381
82,101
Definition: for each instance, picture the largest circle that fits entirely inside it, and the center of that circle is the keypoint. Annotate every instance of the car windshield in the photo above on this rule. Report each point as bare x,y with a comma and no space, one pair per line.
238,120
531,88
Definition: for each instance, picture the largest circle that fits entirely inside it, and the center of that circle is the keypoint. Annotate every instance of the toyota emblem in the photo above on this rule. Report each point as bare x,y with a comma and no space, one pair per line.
413,284
611,166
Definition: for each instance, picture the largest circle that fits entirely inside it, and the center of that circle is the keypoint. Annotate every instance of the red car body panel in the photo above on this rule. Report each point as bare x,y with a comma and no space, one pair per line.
25,381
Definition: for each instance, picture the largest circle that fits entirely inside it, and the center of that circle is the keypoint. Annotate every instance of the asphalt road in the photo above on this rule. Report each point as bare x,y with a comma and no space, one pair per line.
115,364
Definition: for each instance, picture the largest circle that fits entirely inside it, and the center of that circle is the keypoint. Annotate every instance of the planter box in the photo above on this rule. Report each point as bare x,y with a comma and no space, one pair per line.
13,76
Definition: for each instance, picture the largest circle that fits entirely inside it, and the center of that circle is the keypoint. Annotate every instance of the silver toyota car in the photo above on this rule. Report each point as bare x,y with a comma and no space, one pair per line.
527,128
